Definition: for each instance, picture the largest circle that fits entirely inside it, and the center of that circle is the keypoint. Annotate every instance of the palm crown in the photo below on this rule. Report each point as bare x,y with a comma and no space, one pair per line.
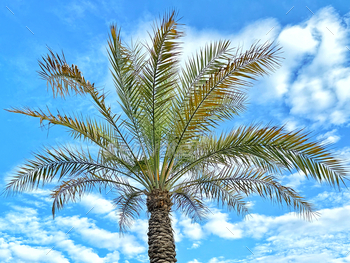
164,141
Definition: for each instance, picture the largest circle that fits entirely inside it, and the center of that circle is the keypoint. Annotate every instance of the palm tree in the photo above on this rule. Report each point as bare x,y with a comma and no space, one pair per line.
162,151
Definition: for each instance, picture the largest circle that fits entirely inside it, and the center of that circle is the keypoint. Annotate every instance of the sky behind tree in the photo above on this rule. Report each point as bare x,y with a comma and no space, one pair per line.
311,90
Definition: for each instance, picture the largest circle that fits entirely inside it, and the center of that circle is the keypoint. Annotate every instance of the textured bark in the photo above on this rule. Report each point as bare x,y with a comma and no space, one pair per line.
161,244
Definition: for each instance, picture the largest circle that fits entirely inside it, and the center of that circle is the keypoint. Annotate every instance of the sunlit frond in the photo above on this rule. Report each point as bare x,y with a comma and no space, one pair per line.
223,94
201,66
102,134
273,146
159,77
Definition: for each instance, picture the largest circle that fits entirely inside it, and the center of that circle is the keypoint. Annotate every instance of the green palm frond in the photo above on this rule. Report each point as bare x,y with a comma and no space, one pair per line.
222,95
271,145
127,65
200,67
159,77
61,162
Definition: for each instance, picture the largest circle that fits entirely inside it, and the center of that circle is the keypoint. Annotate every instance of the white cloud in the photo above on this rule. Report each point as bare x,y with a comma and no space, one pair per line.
314,91
112,257
101,238
329,137
100,205
78,253
143,258
177,233
39,235
344,154
295,240
218,225
14,251
195,245
140,227
294,180
331,199
250,204
191,230
219,260
319,88
291,237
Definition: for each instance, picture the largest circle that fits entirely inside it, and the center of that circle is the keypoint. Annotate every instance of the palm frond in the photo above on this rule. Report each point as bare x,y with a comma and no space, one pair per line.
130,204
73,189
61,162
201,66
274,146
127,65
200,185
159,77
223,95
100,133
64,80
248,181
189,204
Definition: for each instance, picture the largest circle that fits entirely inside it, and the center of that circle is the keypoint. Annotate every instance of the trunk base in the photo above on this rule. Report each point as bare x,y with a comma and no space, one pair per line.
160,233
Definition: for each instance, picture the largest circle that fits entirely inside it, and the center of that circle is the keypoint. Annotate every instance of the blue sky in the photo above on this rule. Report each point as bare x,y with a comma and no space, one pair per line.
311,90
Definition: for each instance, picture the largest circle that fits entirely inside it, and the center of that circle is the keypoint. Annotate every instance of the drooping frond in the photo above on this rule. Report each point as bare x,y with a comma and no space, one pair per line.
64,80
249,181
216,191
130,204
189,204
73,189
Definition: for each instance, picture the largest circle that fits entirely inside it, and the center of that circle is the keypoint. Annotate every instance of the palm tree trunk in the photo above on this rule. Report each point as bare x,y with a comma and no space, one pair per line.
161,244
